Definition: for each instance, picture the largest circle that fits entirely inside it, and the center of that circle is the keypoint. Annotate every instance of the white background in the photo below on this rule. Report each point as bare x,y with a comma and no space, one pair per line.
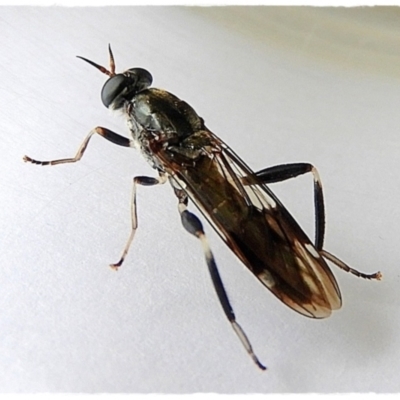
279,85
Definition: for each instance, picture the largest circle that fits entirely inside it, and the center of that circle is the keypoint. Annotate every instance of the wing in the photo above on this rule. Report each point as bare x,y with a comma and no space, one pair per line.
255,225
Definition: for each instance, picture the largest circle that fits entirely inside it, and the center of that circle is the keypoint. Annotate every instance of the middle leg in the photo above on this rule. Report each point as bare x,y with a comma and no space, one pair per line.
193,225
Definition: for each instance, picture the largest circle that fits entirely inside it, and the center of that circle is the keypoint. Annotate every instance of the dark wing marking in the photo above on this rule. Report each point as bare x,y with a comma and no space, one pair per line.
257,227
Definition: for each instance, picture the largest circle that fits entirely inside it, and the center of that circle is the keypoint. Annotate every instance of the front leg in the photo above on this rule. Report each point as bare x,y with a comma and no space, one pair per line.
144,181
104,132
138,180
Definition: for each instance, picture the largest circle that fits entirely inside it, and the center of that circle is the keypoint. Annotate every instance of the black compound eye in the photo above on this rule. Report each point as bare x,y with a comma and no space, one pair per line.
125,86
113,88
142,78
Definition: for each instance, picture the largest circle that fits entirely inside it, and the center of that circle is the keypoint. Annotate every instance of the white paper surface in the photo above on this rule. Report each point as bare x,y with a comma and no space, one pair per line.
278,85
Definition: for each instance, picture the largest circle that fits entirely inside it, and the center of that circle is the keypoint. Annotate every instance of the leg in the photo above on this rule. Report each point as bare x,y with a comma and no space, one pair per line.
193,225
138,180
104,132
282,172
286,171
345,267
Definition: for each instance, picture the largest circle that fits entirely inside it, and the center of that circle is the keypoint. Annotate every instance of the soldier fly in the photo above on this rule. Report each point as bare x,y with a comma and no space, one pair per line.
235,200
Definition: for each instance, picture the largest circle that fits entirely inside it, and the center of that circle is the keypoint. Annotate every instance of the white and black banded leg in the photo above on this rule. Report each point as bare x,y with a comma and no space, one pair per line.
104,132
139,180
339,263
283,172
144,181
193,225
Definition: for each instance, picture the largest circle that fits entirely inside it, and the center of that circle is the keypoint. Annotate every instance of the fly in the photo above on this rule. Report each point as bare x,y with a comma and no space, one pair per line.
236,201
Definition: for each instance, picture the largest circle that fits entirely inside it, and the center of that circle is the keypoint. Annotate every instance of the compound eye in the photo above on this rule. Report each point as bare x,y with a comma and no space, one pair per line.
142,78
113,88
